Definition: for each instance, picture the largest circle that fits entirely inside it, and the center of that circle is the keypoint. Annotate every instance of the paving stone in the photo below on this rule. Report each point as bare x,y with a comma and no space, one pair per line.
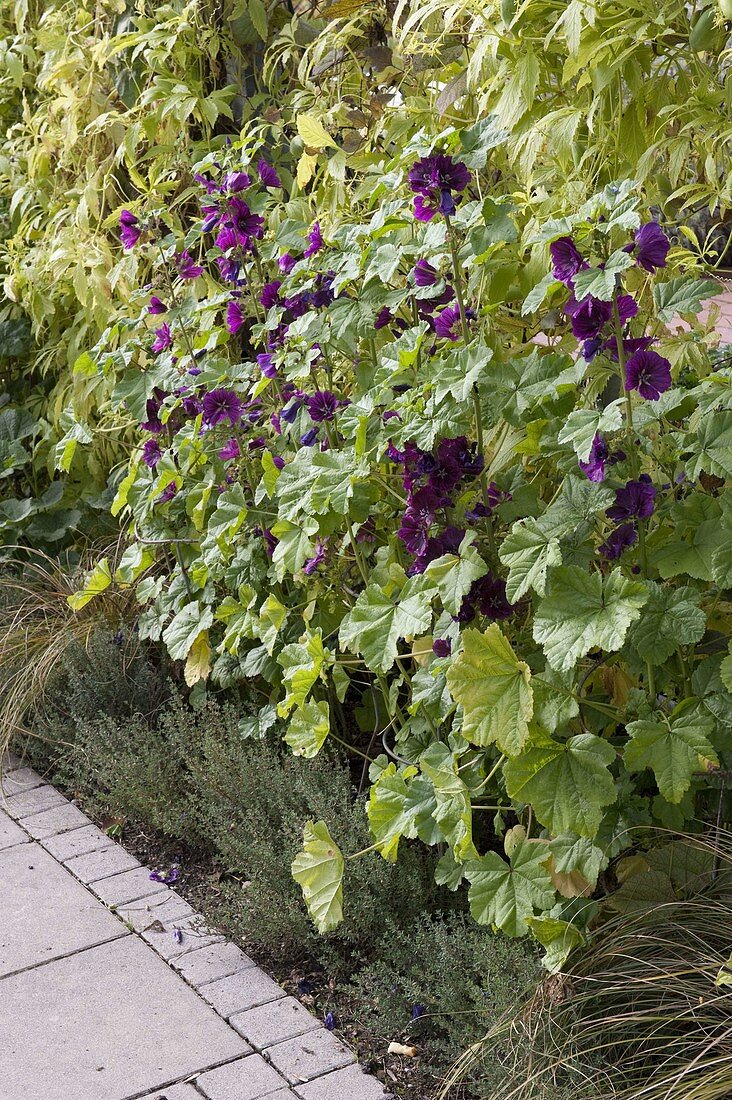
101,864
126,887
10,833
21,779
165,907
58,820
181,935
206,964
26,803
238,992
46,913
345,1084
274,1022
310,1056
78,842
173,1092
105,1024
246,1079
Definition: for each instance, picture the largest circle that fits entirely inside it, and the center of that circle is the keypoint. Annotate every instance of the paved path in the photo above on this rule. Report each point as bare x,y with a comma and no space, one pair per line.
112,988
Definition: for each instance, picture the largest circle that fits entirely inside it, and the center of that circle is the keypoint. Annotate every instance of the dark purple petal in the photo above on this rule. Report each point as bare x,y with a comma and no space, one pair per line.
230,450
265,362
567,260
156,306
234,317
384,318
651,247
322,405
441,647
268,175
424,273
237,181
445,323
309,437
270,293
286,262
315,241
619,541
130,229
594,467
163,339
186,266
151,453
220,405
648,373
637,498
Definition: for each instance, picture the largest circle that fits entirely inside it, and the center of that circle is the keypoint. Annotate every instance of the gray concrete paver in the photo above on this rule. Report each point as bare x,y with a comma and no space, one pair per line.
58,820
21,779
101,864
207,964
345,1084
310,1056
35,801
126,887
105,1024
247,989
10,833
246,1079
45,912
78,842
274,1022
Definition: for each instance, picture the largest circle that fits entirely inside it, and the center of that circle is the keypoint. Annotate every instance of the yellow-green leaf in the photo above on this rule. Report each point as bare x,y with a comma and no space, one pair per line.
95,583
318,869
313,133
493,687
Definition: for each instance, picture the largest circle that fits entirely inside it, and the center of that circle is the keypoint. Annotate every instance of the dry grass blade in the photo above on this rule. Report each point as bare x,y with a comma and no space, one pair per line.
637,1015
37,628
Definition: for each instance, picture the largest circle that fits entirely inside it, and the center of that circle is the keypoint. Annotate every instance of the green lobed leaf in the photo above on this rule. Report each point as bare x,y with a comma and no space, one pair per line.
453,811
580,613
559,937
401,804
673,748
506,894
670,618
375,624
318,869
528,551
493,688
566,782
184,628
302,664
453,574
308,728
684,294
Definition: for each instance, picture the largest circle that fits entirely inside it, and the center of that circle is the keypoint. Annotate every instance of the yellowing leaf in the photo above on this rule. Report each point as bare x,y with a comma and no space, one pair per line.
313,133
198,661
95,583
305,169
318,868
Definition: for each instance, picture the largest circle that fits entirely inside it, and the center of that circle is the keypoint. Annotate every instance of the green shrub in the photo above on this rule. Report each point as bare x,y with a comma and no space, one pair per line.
460,975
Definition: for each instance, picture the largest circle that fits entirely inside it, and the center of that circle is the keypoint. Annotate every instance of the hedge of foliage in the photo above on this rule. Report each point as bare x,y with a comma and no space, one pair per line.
421,452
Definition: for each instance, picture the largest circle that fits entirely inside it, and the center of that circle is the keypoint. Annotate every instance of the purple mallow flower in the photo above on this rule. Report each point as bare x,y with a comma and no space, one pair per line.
168,493
130,229
488,596
309,438
637,498
151,453
286,262
315,241
318,557
156,306
651,247
268,175
433,180
220,405
322,405
618,541
649,373
168,877
441,647
163,339
265,362
230,450
567,260
594,467
237,181
417,1011
384,317
270,293
424,273
329,1021
186,266
590,316
234,317
446,322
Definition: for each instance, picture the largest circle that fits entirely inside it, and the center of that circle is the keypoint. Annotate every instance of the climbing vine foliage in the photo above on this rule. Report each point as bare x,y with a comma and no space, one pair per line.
476,529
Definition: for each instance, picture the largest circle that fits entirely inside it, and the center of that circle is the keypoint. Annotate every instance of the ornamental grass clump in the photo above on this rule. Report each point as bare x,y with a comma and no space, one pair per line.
478,536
